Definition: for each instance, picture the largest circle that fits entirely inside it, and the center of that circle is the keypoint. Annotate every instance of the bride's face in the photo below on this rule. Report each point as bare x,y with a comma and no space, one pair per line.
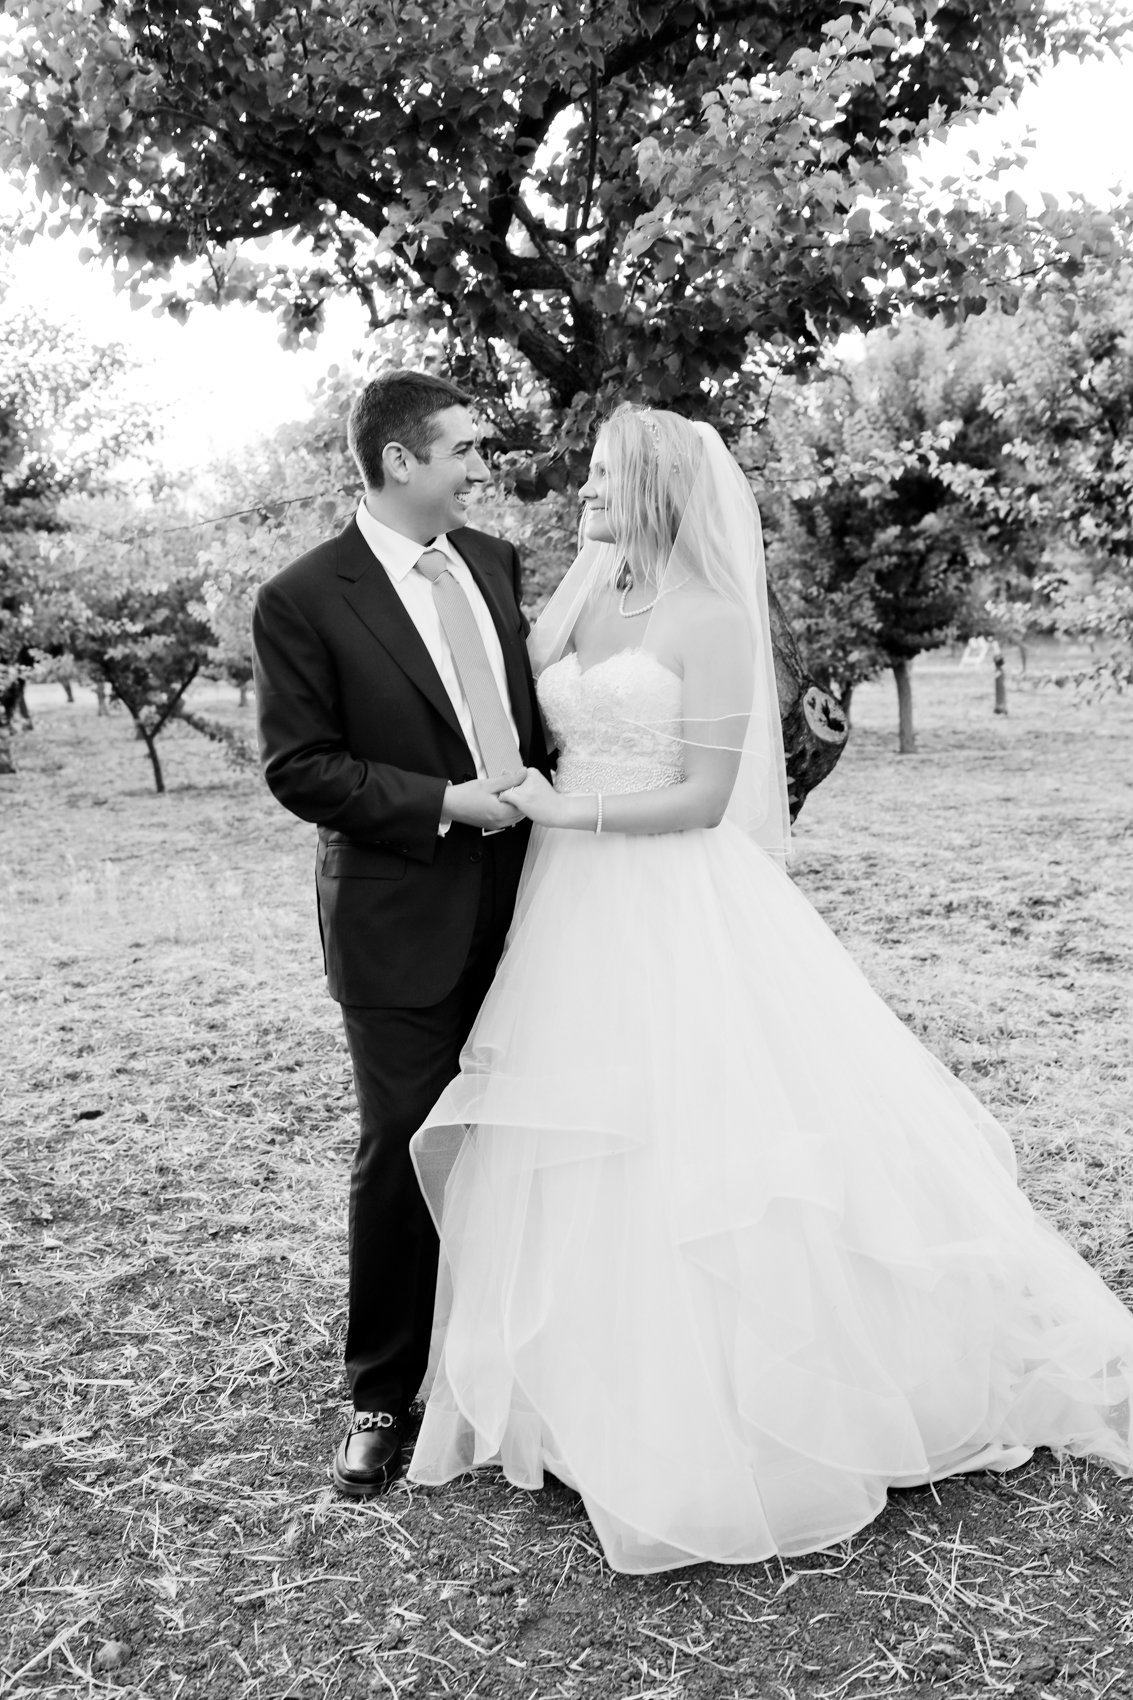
593,496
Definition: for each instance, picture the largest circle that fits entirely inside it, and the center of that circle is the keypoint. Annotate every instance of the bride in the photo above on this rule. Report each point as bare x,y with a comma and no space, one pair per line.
723,1247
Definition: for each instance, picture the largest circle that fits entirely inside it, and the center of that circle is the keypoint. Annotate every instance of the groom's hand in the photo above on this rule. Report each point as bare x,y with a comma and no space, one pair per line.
477,802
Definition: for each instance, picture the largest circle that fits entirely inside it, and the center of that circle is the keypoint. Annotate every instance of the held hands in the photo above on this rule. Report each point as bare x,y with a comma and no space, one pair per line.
495,803
477,802
537,799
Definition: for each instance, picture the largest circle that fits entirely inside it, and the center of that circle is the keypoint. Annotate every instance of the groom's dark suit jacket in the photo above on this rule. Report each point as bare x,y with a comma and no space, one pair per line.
358,735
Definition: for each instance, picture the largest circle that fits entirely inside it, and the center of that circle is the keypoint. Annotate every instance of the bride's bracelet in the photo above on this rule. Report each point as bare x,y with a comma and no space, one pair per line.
598,820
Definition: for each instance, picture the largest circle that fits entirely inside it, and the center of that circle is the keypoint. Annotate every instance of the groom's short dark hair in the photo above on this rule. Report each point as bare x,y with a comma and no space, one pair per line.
398,407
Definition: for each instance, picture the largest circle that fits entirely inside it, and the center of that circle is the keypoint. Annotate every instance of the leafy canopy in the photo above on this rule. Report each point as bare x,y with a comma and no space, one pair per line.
889,493
1066,403
67,426
652,197
67,420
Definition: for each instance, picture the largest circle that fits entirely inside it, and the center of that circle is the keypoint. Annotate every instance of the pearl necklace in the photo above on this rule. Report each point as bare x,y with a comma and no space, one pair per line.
632,613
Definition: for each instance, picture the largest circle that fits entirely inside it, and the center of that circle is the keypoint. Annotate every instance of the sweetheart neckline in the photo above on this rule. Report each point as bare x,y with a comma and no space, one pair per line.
632,649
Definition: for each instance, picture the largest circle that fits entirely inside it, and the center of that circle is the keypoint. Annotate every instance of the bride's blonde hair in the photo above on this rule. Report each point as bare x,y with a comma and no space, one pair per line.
652,459
659,509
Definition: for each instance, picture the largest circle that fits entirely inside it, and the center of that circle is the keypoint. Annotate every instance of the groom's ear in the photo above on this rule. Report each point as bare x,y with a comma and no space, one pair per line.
396,461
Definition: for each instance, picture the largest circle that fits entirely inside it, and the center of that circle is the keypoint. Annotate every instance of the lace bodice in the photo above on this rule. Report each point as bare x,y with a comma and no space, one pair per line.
617,724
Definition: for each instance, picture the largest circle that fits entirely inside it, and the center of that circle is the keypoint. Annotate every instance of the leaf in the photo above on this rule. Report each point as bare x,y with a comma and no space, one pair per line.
609,298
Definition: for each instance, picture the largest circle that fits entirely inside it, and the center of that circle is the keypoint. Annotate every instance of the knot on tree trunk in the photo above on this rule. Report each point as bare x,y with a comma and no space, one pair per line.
815,730
815,727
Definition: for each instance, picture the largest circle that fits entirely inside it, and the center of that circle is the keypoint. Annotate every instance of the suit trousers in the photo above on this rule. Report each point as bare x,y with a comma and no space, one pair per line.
402,1060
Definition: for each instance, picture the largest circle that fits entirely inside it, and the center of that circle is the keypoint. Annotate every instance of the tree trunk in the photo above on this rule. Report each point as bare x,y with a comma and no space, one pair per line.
906,737
844,701
815,727
243,688
151,747
1000,685
68,692
7,760
100,698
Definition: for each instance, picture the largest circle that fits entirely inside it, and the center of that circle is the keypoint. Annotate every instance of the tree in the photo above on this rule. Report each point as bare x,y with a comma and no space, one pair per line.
1103,615
17,633
549,188
894,494
148,643
1066,407
830,608
126,596
67,425
656,198
1009,620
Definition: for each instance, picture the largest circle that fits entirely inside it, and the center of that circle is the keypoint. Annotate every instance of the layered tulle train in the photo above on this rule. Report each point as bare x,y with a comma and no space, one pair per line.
722,1245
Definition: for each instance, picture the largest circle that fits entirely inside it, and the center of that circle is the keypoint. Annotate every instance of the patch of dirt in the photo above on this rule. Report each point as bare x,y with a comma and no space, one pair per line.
177,1128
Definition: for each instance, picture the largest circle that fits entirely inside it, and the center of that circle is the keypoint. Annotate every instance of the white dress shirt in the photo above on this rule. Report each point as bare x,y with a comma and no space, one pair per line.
399,555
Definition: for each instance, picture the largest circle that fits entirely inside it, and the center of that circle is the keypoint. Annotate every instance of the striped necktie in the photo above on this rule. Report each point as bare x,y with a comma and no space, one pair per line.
494,734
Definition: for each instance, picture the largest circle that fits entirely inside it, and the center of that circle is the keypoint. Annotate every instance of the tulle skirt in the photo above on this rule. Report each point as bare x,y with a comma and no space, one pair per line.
723,1246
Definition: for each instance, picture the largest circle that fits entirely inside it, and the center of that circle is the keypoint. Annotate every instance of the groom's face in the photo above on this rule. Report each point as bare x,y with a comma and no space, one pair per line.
439,488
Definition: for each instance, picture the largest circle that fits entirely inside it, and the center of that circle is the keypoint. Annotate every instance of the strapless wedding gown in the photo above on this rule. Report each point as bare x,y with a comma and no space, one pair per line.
723,1246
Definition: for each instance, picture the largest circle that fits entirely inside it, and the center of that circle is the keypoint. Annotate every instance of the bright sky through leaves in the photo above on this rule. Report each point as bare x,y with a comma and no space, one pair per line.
223,380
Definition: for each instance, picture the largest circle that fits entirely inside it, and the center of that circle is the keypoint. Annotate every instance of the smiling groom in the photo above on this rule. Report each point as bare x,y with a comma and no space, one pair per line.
395,701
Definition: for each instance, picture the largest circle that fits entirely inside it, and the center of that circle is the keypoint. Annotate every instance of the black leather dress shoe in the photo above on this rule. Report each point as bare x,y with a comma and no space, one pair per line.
369,1458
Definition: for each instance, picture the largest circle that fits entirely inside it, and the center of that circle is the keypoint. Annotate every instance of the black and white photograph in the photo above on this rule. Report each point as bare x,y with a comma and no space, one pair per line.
566,821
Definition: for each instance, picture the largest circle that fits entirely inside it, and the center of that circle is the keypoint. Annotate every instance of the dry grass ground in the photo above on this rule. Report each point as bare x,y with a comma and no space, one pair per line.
178,1123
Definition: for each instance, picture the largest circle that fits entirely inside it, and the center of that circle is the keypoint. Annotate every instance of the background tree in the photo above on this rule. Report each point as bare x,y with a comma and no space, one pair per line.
1102,615
652,197
148,643
1011,621
1065,403
68,424
892,498
125,590
828,601
659,199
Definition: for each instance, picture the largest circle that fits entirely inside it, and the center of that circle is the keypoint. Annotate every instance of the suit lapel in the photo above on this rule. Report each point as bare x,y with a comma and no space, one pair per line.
367,588
497,594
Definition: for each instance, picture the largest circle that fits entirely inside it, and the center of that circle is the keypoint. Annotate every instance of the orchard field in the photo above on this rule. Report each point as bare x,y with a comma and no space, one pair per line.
177,1126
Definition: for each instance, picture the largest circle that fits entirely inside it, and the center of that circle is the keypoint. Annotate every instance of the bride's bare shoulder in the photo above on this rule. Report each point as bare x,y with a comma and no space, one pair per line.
707,620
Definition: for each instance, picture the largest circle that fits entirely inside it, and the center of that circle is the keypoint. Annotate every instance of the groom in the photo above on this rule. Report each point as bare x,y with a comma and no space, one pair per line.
395,703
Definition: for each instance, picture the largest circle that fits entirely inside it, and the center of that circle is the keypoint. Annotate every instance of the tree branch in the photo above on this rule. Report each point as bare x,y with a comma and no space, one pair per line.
592,160
532,129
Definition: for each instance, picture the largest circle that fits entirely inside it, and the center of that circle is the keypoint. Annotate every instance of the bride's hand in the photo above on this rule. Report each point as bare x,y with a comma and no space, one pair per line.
536,798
